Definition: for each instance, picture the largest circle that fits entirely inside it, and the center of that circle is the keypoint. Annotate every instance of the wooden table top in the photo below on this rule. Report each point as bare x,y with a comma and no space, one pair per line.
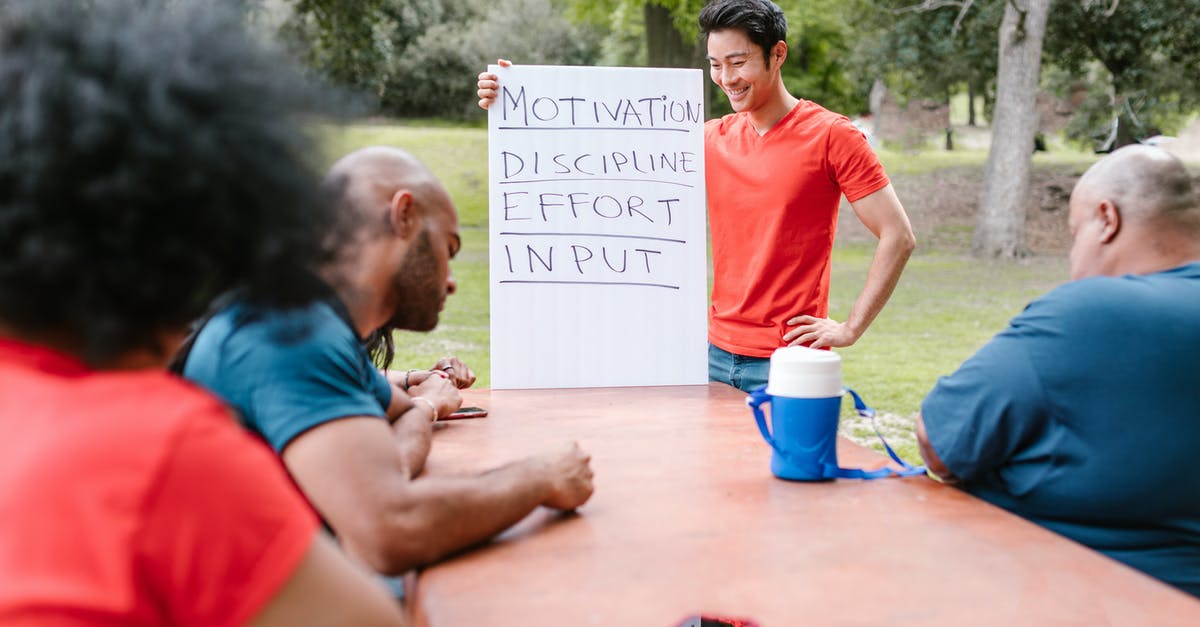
687,519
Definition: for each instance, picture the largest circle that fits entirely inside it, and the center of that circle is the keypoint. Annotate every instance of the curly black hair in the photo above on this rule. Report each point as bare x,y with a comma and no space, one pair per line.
152,155
762,20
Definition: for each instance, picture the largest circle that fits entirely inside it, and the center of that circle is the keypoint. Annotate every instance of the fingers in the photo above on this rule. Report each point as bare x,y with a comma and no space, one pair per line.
802,333
459,372
571,478
466,379
489,85
817,333
487,89
417,377
435,382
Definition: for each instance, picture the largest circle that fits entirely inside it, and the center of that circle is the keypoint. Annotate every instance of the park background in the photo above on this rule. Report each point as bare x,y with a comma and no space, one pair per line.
961,99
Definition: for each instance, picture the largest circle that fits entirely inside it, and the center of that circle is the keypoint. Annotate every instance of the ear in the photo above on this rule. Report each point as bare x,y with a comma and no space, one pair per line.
779,53
1110,216
402,213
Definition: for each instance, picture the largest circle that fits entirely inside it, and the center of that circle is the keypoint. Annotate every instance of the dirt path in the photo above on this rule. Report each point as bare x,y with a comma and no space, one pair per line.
942,206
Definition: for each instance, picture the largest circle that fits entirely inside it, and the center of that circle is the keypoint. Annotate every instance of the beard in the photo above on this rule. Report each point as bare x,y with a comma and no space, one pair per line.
419,287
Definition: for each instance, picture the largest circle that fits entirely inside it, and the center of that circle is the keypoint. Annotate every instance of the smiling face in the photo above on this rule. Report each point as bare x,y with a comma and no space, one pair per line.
738,66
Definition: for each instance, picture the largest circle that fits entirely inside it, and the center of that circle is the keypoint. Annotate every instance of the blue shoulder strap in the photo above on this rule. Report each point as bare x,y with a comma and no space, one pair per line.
760,396
908,470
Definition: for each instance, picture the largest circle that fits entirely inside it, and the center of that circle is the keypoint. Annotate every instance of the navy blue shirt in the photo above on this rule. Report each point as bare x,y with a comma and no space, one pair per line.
1084,416
287,371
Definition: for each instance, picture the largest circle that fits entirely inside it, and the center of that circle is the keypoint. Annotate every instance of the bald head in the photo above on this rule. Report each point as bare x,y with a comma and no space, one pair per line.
1134,211
1146,184
395,234
365,181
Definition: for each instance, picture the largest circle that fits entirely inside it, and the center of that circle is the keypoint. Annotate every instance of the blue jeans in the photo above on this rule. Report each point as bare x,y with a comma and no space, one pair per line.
742,372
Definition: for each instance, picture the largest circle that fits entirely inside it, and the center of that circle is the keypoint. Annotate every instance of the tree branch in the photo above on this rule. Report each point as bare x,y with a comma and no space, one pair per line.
933,5
961,14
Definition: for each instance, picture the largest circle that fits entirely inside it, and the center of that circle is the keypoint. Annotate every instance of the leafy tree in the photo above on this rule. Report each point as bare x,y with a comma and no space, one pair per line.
667,28
820,47
931,53
436,73
342,39
1141,59
420,57
818,41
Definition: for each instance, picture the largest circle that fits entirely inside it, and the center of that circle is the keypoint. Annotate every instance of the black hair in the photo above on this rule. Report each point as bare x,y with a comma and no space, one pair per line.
152,156
762,21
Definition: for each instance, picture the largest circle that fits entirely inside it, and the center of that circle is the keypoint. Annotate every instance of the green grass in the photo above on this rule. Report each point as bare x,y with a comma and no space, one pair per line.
946,306
457,155
898,163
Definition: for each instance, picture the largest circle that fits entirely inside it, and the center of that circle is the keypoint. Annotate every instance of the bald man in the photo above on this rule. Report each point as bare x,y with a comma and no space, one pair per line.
354,441
1084,414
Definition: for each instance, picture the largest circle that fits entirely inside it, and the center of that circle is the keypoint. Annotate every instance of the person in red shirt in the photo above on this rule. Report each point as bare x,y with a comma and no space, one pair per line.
151,157
776,170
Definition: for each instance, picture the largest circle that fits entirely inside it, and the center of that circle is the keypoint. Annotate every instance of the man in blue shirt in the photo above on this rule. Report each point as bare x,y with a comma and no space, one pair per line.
355,442
1084,414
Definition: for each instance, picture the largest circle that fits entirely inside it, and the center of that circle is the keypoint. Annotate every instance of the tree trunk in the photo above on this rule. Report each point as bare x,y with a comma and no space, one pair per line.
949,124
971,104
665,46
1000,228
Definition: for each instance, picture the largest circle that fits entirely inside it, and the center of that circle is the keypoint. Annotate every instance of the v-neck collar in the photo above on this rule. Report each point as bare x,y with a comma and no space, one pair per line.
753,130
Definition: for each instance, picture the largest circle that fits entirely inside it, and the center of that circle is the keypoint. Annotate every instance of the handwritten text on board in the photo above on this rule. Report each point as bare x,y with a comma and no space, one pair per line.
597,227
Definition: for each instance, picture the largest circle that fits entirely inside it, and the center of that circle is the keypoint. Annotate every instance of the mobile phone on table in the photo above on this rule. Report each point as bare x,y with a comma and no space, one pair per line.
467,412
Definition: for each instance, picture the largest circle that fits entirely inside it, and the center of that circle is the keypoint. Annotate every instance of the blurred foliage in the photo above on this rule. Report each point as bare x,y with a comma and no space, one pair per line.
1141,63
928,54
420,57
818,68
819,41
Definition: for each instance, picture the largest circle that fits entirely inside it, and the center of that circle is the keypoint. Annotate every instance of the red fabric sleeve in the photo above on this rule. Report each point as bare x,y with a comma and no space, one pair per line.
225,528
853,162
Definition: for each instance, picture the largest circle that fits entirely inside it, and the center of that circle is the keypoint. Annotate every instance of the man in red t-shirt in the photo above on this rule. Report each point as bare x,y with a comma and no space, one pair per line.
151,157
776,171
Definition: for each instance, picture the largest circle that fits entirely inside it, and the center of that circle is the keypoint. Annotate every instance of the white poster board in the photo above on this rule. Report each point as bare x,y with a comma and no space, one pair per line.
597,218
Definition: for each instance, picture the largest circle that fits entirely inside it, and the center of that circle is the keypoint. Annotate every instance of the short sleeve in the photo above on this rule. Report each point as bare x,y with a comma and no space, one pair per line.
852,162
309,383
224,527
977,418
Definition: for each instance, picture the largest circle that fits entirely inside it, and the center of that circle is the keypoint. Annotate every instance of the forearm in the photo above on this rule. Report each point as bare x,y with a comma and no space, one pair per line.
401,402
414,436
891,255
934,463
435,516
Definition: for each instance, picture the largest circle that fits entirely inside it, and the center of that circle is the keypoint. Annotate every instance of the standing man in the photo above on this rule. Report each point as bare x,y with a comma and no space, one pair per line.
776,171
1084,414
355,442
